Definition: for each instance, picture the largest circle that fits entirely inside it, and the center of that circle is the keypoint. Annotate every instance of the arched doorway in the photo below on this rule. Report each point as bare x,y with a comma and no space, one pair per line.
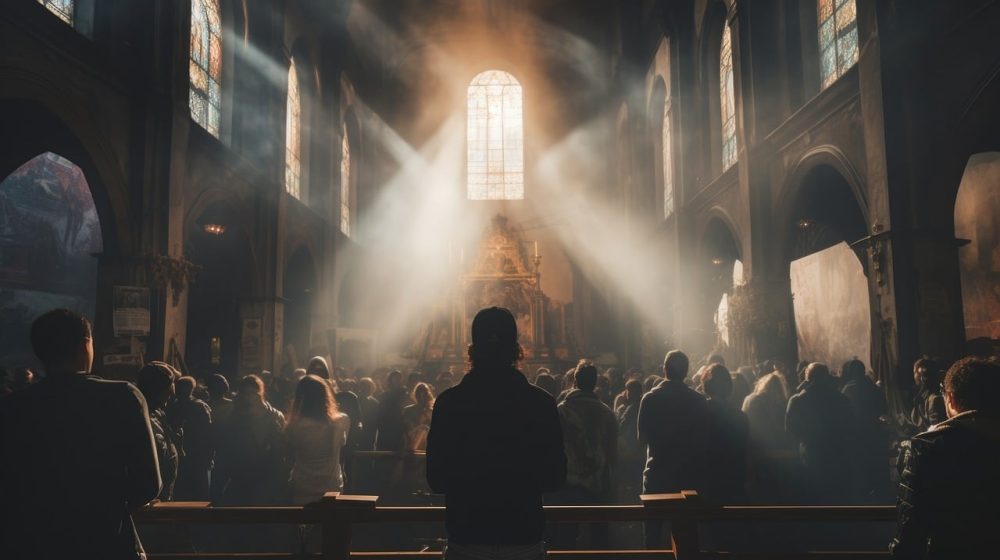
976,209
830,296
299,294
221,333
49,235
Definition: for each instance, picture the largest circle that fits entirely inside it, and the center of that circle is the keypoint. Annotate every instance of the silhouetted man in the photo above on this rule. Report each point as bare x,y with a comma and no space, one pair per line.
948,490
193,418
872,442
673,421
390,414
494,446
76,454
590,436
822,420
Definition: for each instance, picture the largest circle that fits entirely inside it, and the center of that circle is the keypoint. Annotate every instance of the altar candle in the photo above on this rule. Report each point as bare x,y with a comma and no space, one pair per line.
536,248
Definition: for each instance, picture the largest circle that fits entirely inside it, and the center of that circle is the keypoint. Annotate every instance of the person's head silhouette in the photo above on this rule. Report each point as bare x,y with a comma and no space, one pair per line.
494,339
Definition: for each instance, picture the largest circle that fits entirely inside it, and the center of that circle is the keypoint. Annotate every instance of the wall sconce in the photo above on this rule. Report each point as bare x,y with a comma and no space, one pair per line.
717,261
214,229
805,223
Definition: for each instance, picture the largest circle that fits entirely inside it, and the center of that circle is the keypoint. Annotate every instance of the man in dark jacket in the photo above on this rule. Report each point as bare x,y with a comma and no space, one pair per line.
871,458
495,445
390,414
76,454
192,418
928,404
673,421
822,420
948,491
590,436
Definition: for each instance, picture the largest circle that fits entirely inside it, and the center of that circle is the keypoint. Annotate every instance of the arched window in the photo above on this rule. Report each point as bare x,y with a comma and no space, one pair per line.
727,96
495,138
668,160
205,66
63,9
345,183
838,38
293,134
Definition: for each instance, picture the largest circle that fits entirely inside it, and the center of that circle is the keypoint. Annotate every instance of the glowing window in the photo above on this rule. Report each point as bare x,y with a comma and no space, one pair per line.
727,96
495,138
293,134
345,183
63,9
668,162
205,66
838,38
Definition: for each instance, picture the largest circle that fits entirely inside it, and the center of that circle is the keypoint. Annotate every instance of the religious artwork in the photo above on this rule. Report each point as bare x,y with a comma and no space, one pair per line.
293,119
205,65
495,137
131,311
727,98
63,9
502,275
49,232
838,38
345,182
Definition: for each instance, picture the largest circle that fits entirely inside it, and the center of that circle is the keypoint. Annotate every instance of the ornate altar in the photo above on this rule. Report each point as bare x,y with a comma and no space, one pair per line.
500,272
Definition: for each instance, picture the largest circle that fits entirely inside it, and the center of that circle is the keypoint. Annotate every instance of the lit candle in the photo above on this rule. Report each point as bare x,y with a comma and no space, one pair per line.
536,248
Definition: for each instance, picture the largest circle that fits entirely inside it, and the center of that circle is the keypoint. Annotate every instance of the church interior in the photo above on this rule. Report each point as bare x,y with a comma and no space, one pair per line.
235,186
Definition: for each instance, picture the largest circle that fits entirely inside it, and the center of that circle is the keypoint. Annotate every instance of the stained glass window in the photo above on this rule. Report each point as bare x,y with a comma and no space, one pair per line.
495,138
205,66
668,161
727,96
345,183
63,9
293,134
838,38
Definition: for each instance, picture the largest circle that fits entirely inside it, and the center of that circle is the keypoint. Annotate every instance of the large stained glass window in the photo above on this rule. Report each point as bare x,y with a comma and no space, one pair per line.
345,183
727,95
495,138
668,160
205,66
838,38
63,9
293,135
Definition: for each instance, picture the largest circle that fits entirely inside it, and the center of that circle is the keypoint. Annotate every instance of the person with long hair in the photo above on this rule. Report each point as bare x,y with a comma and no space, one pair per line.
765,409
316,433
417,417
494,447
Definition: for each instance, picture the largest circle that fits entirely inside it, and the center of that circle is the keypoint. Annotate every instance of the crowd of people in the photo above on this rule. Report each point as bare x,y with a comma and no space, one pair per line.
764,433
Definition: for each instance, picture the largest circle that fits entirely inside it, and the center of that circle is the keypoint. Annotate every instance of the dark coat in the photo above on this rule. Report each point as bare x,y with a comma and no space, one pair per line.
390,419
590,437
822,420
193,418
928,409
726,460
948,491
673,421
494,446
76,458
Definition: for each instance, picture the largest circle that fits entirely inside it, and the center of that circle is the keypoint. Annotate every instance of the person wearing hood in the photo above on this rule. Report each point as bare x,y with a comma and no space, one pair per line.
494,446
590,434
948,490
